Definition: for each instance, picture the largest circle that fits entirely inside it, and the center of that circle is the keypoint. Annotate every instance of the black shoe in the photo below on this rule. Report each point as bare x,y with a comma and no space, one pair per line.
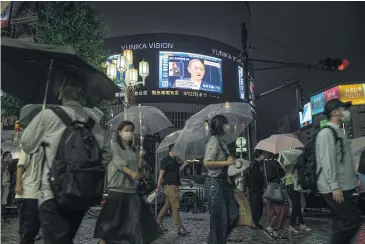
182,231
38,237
260,227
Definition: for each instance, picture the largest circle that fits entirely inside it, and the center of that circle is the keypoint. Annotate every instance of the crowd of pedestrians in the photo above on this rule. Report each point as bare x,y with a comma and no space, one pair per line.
126,217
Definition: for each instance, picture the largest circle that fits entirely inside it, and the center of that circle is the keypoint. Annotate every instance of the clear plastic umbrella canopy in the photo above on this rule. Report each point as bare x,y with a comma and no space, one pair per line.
197,127
192,147
28,112
148,120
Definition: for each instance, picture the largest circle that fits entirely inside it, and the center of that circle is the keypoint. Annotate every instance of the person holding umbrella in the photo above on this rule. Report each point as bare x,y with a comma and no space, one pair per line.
125,217
60,223
224,214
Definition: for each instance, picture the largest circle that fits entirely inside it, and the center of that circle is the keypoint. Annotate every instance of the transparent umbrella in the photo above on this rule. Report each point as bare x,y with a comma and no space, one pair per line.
148,120
193,147
197,127
29,111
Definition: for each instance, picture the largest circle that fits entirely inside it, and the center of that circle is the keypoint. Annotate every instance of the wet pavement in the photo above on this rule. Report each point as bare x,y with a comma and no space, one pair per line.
198,224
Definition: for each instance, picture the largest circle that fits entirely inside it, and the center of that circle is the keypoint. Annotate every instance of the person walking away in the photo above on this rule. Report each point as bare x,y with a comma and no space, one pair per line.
276,212
125,217
170,174
5,183
224,209
61,216
295,193
337,179
256,185
28,180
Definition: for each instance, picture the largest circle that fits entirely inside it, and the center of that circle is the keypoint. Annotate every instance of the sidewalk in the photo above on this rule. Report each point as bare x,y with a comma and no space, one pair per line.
198,224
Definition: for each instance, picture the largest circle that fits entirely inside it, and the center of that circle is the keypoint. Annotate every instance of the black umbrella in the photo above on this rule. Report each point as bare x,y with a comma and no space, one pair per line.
26,68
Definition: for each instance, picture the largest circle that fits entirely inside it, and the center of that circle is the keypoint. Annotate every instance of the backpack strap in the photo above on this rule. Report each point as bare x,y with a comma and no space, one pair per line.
62,115
90,124
337,138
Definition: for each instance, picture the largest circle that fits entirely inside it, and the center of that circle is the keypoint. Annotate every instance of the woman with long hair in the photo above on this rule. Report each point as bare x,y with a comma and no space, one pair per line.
6,159
125,217
224,213
276,212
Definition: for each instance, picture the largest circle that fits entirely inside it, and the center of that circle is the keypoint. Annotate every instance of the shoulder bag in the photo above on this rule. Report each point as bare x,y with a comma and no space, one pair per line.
273,191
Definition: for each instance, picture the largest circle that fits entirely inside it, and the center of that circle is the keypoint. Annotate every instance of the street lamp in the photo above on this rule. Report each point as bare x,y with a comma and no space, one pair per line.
129,76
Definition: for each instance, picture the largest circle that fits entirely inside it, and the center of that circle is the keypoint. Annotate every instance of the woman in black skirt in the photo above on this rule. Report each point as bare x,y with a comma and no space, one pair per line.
125,217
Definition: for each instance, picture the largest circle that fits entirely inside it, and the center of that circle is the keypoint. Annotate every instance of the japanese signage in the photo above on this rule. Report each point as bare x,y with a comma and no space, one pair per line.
353,92
332,93
164,93
317,102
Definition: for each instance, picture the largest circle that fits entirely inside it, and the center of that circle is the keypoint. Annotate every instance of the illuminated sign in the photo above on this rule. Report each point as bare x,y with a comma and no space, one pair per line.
317,103
150,45
5,13
353,92
165,93
305,118
331,93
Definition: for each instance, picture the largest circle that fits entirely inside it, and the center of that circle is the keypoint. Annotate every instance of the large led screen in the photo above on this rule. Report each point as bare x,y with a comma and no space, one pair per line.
190,71
305,117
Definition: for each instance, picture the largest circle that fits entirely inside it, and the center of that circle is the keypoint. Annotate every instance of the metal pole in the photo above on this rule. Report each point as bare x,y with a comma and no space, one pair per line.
47,85
156,177
246,85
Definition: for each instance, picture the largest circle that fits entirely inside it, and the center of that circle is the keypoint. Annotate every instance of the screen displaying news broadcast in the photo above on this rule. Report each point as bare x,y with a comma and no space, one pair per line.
190,71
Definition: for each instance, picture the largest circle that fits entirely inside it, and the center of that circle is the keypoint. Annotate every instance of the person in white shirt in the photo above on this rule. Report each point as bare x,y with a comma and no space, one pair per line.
27,191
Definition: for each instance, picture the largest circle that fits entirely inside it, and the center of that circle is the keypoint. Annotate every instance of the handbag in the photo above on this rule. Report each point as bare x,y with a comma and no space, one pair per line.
273,191
145,186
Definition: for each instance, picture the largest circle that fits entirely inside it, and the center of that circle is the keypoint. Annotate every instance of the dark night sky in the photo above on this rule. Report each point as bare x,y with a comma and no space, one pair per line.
318,29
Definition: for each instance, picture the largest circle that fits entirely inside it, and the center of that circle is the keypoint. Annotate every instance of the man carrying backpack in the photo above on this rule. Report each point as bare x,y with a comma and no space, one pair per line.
337,178
73,167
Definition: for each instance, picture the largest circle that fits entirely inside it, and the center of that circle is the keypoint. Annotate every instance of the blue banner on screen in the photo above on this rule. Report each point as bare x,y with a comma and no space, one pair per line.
190,71
317,103
305,118
240,83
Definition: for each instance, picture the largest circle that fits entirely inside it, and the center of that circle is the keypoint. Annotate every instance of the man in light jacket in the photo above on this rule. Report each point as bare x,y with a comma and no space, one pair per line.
337,174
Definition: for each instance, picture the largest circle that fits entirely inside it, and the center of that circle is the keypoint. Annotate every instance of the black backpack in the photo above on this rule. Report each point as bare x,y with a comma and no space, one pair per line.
77,174
306,165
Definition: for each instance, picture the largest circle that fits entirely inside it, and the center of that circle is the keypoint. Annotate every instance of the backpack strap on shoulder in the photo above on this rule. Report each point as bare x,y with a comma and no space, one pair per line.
337,138
62,115
90,124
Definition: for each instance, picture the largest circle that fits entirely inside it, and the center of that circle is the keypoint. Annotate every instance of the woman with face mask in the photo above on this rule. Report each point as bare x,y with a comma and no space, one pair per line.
224,213
125,217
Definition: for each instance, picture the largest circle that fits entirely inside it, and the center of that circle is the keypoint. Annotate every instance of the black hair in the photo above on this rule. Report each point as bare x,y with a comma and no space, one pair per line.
216,125
120,128
6,154
171,147
257,153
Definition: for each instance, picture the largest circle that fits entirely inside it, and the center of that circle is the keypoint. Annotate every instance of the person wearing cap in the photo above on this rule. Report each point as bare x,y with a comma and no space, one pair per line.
337,179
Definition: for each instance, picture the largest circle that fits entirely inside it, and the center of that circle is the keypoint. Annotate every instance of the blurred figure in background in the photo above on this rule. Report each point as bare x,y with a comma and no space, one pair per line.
255,183
5,182
276,212
295,193
170,174
28,180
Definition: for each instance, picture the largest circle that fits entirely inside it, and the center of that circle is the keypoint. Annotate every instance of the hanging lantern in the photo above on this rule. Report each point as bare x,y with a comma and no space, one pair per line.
132,76
144,70
112,71
121,63
128,54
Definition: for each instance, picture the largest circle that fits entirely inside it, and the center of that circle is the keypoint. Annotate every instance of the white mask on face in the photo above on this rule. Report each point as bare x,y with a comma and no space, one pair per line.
226,128
346,116
126,135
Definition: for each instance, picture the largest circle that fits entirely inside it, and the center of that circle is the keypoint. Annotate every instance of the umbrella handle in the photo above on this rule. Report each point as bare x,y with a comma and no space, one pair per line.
47,84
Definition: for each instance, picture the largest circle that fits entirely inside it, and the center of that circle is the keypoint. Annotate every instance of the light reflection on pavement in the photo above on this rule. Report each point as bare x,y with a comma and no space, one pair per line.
198,224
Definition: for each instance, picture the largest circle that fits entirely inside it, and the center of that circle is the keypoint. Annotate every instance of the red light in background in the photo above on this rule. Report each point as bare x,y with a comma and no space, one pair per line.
344,65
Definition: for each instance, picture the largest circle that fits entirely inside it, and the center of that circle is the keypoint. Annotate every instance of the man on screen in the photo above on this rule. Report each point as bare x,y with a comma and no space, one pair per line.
196,69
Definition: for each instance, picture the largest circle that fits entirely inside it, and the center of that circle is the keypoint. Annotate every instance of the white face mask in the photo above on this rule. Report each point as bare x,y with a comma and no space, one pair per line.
346,116
226,128
126,135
